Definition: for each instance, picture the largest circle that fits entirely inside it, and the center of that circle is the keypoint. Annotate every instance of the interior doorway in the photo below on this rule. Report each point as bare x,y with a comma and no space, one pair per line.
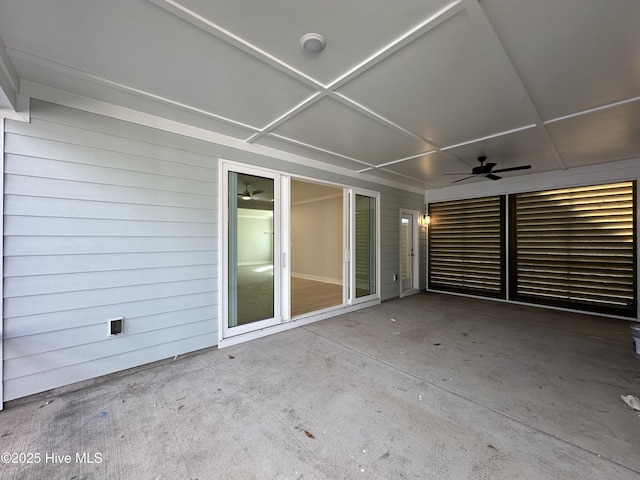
409,253
317,243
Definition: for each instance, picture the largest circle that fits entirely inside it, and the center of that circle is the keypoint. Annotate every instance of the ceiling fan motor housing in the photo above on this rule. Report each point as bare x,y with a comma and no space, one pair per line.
483,169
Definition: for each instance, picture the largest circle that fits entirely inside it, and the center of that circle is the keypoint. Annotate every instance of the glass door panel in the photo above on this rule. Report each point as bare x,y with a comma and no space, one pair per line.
365,246
284,241
407,251
317,243
252,252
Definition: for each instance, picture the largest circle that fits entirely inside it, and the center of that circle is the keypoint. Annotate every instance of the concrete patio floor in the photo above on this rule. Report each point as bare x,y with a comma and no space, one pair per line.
427,387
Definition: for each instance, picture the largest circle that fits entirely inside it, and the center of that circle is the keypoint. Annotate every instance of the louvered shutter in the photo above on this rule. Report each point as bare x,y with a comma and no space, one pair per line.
575,248
466,246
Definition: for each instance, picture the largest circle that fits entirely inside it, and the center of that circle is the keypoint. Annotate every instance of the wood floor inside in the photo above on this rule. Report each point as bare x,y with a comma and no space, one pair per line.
255,293
311,295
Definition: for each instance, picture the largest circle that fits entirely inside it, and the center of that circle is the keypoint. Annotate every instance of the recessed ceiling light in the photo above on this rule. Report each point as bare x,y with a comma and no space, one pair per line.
313,43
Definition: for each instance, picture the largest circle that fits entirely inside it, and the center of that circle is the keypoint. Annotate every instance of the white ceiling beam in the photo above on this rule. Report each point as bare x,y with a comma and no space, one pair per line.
485,29
488,137
593,110
400,160
375,116
318,149
316,97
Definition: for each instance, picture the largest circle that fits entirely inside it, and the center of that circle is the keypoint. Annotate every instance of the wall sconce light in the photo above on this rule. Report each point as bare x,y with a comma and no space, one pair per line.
426,219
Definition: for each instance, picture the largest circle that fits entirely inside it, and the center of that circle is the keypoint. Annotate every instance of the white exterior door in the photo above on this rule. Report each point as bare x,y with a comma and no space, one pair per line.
409,253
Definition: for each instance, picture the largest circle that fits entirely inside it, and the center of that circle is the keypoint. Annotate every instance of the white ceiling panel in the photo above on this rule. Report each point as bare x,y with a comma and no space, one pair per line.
573,55
144,47
429,168
445,87
551,83
406,182
598,137
332,126
354,30
64,80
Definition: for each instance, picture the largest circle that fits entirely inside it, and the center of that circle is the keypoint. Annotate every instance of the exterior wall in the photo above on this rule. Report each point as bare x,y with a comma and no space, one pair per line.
105,218
392,202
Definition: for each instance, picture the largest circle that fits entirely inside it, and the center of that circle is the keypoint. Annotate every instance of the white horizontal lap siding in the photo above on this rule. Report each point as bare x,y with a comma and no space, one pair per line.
103,219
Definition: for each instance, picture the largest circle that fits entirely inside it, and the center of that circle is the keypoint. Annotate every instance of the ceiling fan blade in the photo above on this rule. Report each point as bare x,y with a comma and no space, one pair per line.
460,173
461,179
489,165
521,167
256,192
492,176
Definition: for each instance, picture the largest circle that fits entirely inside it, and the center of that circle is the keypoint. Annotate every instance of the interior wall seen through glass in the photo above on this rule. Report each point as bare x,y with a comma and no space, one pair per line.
317,238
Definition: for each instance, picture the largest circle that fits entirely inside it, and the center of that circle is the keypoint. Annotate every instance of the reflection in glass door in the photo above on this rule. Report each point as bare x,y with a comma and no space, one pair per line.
252,248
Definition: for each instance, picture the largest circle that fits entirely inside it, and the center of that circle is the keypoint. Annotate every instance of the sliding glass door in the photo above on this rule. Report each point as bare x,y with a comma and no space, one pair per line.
292,248
362,247
316,247
252,273
365,271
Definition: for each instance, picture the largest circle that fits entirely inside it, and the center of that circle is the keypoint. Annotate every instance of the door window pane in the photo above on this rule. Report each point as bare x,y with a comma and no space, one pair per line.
251,249
406,236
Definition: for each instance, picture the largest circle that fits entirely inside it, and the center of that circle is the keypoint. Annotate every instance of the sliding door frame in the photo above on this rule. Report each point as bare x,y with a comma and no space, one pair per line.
227,252
415,254
350,248
282,319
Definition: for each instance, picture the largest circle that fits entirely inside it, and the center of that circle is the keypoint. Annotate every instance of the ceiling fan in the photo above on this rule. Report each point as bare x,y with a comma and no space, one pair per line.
487,170
248,194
